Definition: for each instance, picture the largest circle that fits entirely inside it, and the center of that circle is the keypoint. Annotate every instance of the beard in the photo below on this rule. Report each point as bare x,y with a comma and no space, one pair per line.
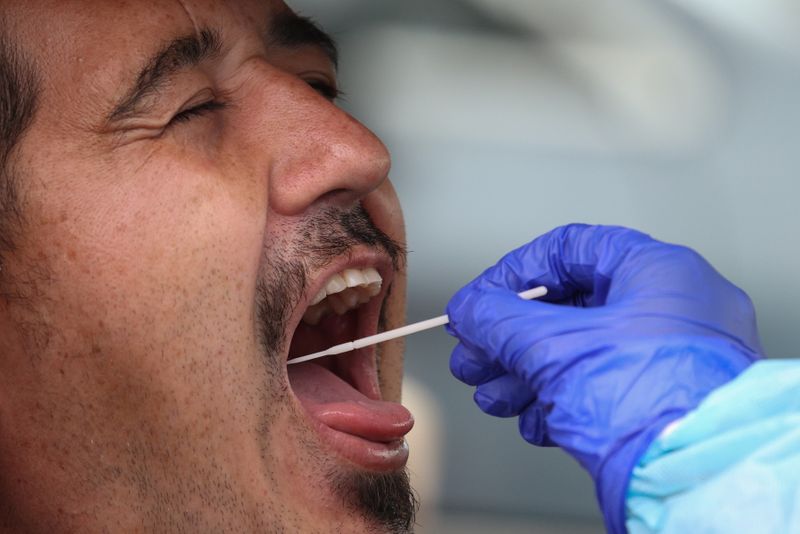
385,498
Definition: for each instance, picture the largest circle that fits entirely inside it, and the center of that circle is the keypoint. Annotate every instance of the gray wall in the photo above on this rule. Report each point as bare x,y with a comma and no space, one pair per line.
504,124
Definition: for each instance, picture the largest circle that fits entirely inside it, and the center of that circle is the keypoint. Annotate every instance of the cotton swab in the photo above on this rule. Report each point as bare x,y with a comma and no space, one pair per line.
442,320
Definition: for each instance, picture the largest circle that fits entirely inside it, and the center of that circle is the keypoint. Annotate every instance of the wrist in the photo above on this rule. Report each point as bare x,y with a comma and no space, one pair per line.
613,476
698,365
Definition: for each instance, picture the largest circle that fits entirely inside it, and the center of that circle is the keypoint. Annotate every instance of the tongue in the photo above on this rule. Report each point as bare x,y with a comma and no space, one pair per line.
335,403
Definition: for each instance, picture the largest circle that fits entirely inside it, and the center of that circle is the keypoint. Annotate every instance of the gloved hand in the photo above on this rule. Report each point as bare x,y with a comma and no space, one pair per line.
635,334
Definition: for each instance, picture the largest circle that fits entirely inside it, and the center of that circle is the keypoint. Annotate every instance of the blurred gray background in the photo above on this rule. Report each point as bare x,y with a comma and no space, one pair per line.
507,118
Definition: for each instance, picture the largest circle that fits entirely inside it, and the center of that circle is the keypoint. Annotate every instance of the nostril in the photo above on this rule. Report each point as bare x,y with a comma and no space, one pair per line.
290,206
339,196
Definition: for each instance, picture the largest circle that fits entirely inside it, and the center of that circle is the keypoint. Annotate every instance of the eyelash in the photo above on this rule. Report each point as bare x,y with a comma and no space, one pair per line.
325,89
197,111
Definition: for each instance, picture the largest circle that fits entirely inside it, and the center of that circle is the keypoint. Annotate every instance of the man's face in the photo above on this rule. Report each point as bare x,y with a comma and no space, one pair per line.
188,190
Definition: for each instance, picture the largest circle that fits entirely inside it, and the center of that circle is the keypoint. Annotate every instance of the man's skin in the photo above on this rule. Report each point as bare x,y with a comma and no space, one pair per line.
165,258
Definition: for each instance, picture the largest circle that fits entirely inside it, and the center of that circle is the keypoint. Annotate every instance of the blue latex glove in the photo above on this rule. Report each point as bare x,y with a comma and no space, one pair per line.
635,334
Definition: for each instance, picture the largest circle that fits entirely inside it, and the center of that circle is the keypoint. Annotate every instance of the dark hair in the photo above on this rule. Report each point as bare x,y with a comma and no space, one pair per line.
19,91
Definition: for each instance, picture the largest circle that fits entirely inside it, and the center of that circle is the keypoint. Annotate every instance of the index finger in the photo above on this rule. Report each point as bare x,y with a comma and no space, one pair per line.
571,260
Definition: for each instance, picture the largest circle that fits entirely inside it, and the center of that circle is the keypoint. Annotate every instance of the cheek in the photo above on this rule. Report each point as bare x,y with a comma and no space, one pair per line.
145,285
167,252
384,206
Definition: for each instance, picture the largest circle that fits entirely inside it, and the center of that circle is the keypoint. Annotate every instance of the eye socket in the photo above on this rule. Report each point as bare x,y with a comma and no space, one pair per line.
196,111
327,90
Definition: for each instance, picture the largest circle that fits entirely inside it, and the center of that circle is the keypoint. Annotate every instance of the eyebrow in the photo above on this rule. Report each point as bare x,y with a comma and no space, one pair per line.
181,53
290,30
287,30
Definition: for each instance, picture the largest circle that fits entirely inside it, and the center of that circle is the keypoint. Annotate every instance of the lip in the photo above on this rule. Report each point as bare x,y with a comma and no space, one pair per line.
387,451
372,455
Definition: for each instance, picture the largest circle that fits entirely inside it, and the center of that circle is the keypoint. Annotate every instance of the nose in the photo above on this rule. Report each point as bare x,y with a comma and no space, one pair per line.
322,153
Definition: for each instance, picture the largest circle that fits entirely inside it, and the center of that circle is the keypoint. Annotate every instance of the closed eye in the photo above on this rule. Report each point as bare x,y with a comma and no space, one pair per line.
196,111
324,88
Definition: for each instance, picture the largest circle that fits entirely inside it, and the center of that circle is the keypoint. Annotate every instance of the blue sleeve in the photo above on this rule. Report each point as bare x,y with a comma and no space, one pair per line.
731,465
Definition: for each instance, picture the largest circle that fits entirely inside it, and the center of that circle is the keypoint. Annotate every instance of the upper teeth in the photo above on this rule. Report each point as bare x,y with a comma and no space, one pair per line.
343,292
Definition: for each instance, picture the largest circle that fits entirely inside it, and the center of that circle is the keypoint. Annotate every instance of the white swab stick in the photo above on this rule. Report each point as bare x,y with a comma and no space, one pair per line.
442,320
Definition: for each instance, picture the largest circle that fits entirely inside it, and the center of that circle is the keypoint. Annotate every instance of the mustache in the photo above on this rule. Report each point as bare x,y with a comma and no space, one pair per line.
336,231
321,238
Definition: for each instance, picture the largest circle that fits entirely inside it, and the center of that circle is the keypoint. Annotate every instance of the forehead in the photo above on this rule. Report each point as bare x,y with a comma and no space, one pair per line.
91,43
83,25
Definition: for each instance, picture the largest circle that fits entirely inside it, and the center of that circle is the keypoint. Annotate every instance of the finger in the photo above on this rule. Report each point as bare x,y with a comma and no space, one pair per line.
472,366
533,426
499,324
534,341
504,396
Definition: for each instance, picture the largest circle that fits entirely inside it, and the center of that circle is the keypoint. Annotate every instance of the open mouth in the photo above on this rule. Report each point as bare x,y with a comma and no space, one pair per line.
341,393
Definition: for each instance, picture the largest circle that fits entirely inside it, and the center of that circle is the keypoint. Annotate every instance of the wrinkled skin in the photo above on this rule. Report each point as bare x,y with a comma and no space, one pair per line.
135,394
